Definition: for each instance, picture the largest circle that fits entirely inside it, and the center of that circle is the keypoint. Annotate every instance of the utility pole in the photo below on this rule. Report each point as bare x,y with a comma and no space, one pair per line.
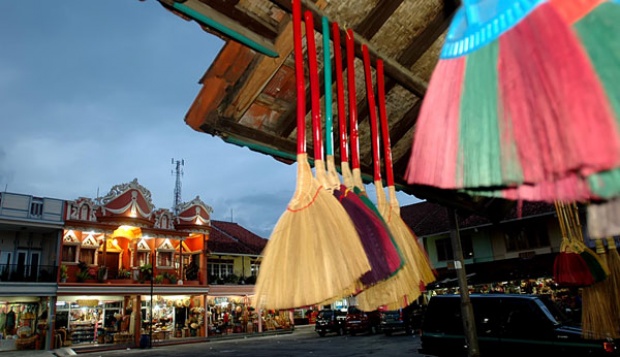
467,310
178,172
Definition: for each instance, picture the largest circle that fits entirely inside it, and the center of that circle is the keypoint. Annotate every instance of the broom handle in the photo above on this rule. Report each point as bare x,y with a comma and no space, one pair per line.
327,74
387,146
299,78
354,136
342,123
372,111
314,87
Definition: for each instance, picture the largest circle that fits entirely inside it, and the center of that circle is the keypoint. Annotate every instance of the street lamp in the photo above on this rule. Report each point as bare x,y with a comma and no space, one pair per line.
151,307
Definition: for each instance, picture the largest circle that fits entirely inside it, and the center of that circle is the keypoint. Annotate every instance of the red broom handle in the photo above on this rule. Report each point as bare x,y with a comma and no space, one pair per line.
342,123
385,131
299,78
314,87
372,111
353,135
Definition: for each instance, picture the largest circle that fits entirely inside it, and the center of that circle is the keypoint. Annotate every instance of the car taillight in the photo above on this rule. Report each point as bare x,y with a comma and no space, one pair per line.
609,347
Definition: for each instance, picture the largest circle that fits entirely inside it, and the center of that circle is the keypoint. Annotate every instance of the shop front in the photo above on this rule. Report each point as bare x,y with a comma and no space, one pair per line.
23,322
231,314
129,317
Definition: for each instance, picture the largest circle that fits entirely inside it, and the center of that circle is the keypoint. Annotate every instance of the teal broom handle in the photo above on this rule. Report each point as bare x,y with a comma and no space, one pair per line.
327,70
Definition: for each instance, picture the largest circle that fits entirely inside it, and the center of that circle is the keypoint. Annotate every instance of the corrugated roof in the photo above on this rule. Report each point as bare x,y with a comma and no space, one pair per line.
427,218
231,238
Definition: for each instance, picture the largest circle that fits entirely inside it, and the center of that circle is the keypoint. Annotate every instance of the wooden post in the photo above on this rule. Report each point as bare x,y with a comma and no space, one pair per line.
469,324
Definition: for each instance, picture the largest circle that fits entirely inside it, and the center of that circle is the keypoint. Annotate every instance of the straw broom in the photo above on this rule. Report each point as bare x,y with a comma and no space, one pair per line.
313,253
368,227
599,316
405,287
613,262
504,106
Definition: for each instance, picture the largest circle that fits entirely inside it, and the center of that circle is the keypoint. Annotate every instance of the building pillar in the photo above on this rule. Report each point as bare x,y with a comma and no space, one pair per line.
51,318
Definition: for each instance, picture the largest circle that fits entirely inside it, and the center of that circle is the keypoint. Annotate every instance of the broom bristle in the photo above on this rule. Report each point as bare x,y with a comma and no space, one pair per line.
569,105
573,10
436,136
292,273
613,262
599,318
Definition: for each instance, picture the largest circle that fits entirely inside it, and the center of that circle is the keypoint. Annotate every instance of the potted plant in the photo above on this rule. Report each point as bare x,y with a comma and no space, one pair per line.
102,274
146,272
159,278
84,272
172,277
124,274
63,273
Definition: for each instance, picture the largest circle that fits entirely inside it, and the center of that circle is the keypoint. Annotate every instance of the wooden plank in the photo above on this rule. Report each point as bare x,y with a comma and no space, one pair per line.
263,71
373,21
227,69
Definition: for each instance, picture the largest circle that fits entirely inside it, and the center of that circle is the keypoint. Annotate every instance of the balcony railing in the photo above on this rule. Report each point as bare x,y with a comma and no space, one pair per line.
28,273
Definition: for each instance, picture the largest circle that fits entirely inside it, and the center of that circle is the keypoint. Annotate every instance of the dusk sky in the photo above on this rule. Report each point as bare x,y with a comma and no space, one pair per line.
94,94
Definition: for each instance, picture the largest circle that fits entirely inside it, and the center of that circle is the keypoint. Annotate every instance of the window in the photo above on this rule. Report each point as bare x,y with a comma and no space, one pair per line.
526,237
255,266
87,255
164,259
69,253
36,207
444,248
220,267
144,258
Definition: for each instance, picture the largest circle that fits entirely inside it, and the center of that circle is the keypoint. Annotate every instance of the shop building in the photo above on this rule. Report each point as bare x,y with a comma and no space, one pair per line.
30,231
233,263
129,270
521,246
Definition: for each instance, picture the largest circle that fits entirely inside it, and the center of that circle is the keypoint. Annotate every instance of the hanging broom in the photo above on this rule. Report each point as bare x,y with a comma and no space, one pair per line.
392,216
405,287
599,316
603,218
314,253
368,226
597,23
613,262
505,109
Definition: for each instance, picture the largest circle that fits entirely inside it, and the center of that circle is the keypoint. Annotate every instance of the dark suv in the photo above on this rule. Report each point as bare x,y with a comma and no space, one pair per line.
328,321
358,321
507,325
405,320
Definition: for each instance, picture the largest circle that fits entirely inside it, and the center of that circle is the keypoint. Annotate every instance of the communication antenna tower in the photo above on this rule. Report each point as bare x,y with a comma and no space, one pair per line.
178,172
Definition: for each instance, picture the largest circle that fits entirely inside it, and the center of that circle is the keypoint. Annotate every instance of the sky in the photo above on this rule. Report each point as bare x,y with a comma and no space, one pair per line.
94,94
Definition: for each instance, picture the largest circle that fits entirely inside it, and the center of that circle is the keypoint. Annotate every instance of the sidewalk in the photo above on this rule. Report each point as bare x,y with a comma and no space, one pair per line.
104,348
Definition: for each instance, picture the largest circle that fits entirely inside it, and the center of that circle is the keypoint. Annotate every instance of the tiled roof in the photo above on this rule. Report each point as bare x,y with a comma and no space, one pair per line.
228,237
426,218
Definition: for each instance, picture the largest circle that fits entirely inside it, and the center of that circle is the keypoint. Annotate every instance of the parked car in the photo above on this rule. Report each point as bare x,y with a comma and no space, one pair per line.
358,321
330,321
407,320
507,325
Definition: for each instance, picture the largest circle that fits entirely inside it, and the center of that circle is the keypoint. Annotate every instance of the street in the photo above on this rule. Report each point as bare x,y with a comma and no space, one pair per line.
302,342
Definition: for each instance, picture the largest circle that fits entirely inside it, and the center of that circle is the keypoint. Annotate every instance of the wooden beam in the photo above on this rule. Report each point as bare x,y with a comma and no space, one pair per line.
230,28
373,21
392,68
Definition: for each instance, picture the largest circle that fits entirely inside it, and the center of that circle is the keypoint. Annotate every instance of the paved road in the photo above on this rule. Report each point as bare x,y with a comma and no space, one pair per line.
302,342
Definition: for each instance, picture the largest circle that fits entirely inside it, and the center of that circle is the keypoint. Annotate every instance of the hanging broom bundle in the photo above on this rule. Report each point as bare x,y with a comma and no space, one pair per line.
511,95
576,264
406,286
600,317
380,250
314,252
